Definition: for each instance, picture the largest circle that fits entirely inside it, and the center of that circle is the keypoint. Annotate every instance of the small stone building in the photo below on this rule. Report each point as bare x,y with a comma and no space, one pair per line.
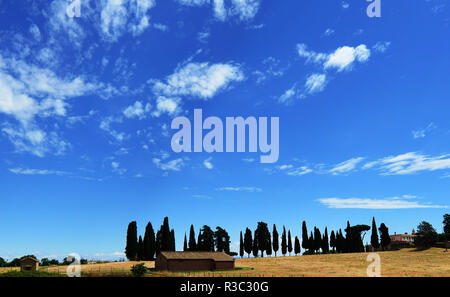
193,261
29,263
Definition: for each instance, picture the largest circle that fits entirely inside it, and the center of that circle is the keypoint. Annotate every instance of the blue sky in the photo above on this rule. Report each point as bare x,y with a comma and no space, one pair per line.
86,106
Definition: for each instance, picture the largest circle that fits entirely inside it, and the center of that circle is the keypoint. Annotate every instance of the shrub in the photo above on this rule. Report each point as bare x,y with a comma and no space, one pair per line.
139,269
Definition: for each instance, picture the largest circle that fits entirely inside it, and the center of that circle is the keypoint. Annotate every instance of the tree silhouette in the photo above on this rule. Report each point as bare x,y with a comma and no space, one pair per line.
283,242
149,242
297,248
374,238
248,241
289,242
275,242
185,247
385,239
241,246
333,241
132,245
305,239
192,244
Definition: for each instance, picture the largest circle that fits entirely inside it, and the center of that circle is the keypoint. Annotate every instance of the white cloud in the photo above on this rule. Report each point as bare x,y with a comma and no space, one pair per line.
421,133
207,163
300,171
346,166
173,165
137,110
35,32
105,125
240,189
27,171
116,168
288,96
345,5
410,163
328,32
343,57
166,105
381,46
243,9
368,203
315,83
199,80
119,16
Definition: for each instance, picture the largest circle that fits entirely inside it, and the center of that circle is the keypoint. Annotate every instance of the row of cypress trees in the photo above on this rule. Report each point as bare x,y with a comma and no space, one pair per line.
262,242
208,240
149,247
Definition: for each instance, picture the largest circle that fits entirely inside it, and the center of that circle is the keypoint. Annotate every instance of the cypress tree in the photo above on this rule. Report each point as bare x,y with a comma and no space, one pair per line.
348,239
241,246
275,242
305,241
206,239
149,243
374,238
172,241
317,239
325,245
311,243
166,236
140,250
192,244
248,241
132,244
158,243
222,240
262,236
384,236
185,247
255,245
289,242
333,241
296,246
269,247
283,242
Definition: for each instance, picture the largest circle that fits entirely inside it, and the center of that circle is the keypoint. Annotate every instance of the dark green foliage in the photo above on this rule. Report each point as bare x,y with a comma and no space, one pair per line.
149,243
158,242
325,245
140,250
131,246
255,247
262,237
206,239
222,240
374,238
283,242
166,237
311,243
248,241
269,248
172,240
317,240
139,269
289,242
426,236
297,248
446,223
385,239
333,241
354,239
185,248
275,242
241,246
305,239
192,243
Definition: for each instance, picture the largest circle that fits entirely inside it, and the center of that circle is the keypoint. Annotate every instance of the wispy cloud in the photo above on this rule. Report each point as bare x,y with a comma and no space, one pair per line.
240,189
207,163
173,165
369,203
421,133
28,171
346,166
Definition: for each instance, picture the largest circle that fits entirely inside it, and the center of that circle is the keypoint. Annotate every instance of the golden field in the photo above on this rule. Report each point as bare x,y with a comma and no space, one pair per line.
406,262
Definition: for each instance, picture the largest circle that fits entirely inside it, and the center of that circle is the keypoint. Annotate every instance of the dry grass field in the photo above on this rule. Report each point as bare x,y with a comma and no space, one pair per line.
406,262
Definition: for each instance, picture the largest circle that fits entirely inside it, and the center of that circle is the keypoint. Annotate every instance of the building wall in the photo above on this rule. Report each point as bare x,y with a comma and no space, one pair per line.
228,265
160,263
190,265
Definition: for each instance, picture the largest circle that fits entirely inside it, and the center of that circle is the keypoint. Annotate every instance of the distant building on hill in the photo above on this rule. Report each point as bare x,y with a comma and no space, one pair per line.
405,240
29,263
193,261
